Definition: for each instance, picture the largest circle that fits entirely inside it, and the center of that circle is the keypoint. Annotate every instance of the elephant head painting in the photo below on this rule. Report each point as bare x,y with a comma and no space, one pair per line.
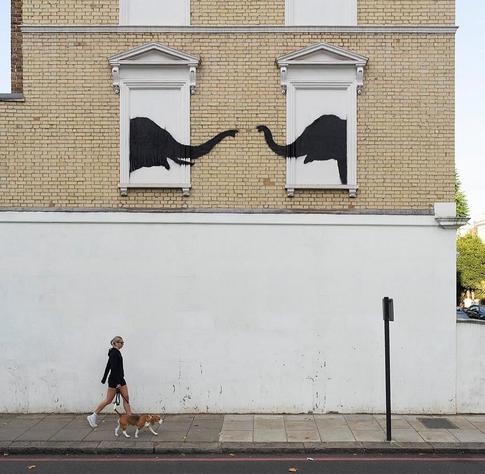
324,139
151,145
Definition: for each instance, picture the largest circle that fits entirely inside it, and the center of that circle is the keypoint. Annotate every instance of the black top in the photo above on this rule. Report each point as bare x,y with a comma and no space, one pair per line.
115,365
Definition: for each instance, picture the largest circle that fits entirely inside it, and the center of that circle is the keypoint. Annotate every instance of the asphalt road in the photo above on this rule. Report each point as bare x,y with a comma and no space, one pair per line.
239,465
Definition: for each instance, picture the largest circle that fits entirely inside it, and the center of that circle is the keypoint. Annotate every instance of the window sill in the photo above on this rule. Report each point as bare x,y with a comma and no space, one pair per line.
125,187
12,97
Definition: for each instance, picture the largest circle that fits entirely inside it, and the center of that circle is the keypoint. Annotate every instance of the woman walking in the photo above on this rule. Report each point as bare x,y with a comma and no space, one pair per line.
116,381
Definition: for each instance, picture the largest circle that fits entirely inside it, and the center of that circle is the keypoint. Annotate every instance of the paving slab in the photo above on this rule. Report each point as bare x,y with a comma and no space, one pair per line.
337,435
299,418
71,434
303,436
208,417
196,434
293,425
414,422
438,436
238,418
238,425
182,418
406,436
479,425
369,435
171,436
361,422
473,418
175,426
11,435
468,436
398,422
333,422
269,435
268,422
236,436
461,423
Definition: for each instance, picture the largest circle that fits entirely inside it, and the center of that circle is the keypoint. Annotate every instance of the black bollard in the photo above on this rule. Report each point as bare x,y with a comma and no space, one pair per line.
388,310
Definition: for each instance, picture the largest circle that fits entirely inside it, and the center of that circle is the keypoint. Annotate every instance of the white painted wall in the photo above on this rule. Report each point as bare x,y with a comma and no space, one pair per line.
154,12
226,312
470,383
321,12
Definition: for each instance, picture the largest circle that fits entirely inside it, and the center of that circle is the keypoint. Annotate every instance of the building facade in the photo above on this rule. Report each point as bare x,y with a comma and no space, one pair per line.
233,186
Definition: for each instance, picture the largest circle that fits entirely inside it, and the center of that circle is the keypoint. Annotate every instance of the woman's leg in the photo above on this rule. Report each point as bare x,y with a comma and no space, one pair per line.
126,399
110,394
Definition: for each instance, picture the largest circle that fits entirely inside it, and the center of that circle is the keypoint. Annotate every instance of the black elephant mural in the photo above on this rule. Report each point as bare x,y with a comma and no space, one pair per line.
324,139
151,145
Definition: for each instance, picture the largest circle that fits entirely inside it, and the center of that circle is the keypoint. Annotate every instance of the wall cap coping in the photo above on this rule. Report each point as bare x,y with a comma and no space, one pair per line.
12,97
418,29
223,218
470,321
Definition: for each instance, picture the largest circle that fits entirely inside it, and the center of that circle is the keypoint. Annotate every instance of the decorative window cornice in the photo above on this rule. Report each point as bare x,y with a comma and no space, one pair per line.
153,54
322,54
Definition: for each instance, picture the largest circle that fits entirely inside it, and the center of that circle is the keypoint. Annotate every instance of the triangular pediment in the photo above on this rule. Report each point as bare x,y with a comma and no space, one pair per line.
322,54
154,54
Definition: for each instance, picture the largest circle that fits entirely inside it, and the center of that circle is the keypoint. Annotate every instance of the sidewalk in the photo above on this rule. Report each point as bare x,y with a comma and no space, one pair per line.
59,434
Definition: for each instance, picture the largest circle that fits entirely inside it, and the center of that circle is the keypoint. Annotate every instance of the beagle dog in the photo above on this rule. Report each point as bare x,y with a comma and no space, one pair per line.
140,421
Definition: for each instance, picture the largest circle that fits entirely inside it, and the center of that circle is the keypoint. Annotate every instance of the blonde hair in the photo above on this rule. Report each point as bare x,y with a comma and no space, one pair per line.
115,339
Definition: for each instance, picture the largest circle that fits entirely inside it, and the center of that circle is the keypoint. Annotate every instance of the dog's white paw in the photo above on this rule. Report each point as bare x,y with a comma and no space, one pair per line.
127,435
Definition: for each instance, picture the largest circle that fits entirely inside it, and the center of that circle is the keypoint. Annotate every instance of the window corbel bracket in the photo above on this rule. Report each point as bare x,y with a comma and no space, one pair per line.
192,79
115,74
360,79
284,79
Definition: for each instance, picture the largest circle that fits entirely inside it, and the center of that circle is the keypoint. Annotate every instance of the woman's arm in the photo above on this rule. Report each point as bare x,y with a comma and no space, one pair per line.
106,371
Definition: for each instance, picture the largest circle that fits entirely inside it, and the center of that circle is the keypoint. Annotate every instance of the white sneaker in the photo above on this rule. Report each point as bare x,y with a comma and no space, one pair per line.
92,420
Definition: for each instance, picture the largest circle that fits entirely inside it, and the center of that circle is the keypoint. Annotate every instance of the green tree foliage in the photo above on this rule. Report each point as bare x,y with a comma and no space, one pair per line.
462,209
470,263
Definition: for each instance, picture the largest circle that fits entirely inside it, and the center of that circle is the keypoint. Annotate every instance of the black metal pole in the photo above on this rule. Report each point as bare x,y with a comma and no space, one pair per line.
387,304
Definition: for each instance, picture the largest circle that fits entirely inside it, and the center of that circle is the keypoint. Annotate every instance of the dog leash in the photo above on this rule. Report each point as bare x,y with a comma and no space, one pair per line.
118,396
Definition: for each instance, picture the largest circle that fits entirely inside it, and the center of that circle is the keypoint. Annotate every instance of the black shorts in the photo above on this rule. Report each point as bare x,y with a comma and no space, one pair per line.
112,384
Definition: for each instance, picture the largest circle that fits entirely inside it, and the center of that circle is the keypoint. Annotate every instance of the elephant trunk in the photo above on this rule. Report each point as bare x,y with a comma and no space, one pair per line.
268,136
194,152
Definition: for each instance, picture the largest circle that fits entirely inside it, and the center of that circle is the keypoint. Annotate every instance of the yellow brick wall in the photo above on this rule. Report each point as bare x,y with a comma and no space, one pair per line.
237,12
405,12
61,147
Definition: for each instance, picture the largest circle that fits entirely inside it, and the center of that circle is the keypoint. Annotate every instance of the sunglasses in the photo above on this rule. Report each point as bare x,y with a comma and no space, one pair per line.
119,342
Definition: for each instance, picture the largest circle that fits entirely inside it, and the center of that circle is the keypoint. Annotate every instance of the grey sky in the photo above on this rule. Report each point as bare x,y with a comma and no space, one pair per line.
470,94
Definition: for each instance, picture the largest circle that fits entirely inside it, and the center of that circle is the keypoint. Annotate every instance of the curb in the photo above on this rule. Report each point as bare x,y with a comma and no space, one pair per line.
108,447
